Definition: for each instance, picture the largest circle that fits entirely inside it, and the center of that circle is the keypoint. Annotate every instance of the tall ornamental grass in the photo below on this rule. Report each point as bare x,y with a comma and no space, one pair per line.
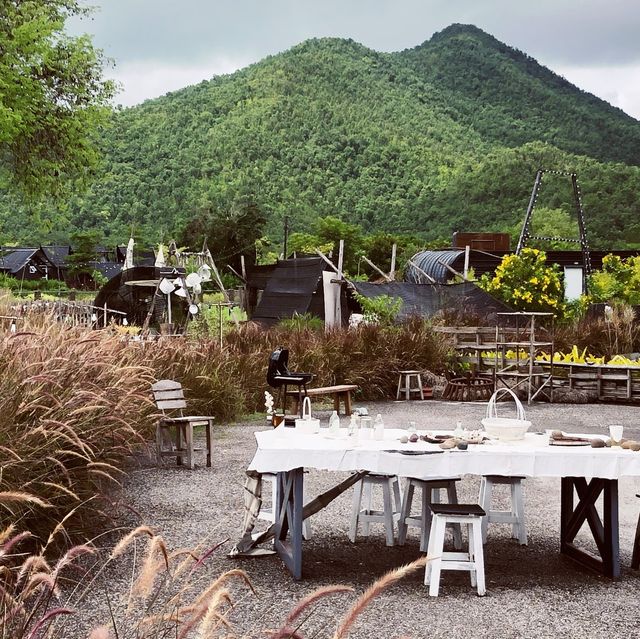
73,406
75,403
230,381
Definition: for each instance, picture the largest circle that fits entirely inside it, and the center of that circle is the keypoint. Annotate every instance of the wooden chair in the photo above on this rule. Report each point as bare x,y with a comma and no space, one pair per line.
279,376
174,430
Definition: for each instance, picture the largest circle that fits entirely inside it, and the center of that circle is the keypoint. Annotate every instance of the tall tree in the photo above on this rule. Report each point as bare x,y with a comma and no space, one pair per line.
52,97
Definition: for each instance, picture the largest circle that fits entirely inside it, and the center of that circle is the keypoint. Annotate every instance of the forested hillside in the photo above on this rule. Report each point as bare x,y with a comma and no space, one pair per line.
447,136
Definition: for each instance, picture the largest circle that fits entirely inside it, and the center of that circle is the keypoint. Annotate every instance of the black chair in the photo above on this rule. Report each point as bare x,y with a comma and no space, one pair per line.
280,377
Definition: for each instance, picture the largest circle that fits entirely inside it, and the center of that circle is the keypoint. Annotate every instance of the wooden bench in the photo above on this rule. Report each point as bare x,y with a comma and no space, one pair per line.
341,391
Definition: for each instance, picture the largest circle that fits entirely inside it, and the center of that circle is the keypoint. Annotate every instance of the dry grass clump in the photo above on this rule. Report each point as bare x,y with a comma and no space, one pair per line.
169,594
229,381
73,406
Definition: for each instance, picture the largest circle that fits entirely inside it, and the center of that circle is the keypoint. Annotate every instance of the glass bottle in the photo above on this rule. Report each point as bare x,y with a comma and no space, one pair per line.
378,428
353,426
334,423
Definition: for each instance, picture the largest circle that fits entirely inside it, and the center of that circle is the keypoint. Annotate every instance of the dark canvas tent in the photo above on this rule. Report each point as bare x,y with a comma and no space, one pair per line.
294,287
28,264
425,300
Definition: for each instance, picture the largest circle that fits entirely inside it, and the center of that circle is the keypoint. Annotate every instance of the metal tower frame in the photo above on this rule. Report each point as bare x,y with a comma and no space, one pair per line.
525,233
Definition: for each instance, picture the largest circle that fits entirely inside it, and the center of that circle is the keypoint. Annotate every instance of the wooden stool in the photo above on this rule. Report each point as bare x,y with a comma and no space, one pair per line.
367,515
268,513
515,516
443,514
405,386
635,558
430,495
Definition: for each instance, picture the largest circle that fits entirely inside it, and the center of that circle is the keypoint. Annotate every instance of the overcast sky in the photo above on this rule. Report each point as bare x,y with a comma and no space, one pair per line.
162,45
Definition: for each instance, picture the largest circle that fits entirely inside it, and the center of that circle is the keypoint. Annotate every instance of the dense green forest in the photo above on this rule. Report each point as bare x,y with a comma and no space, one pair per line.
443,137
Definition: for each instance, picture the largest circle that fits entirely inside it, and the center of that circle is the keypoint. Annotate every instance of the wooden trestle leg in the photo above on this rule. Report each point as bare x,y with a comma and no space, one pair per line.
288,517
605,531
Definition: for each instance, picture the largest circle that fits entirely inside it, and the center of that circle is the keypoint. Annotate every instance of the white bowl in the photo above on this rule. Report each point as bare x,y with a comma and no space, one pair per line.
506,429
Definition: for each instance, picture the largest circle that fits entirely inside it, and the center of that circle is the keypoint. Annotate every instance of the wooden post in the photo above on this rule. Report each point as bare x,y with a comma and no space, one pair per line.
429,278
328,261
243,268
220,323
104,319
392,272
340,258
451,269
465,272
373,266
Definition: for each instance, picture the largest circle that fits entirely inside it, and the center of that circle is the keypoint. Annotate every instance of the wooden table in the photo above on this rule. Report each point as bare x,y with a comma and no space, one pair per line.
586,474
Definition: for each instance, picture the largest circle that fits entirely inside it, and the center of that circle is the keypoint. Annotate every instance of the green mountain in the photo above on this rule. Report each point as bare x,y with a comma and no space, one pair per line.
447,136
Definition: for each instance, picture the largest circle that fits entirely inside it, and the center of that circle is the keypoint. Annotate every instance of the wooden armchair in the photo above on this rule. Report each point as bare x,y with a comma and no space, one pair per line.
174,430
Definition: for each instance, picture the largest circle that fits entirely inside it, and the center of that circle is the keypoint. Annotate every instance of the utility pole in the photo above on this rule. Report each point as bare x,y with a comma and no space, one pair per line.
286,236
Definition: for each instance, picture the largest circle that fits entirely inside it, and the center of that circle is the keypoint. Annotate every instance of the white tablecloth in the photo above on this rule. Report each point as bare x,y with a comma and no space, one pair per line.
284,449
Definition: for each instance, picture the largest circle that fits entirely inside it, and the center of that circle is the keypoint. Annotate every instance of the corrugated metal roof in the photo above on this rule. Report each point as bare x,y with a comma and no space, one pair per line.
433,263
14,260
289,290
57,254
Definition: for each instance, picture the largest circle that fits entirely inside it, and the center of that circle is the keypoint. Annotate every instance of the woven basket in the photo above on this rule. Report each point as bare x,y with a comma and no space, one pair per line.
505,428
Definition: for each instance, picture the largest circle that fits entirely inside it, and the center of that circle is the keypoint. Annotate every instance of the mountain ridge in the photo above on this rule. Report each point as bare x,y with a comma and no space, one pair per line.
444,136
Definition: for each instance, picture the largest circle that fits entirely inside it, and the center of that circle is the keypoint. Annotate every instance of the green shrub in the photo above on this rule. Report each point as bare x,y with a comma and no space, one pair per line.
618,281
303,321
526,283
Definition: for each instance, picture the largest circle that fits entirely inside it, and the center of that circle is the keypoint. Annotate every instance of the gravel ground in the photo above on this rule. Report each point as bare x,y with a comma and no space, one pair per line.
532,591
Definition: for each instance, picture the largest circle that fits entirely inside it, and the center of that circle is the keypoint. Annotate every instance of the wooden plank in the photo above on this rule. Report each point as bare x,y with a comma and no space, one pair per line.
165,385
169,394
171,404
326,390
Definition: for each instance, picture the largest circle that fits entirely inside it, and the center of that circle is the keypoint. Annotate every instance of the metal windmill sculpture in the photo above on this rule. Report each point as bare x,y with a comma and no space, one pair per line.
525,233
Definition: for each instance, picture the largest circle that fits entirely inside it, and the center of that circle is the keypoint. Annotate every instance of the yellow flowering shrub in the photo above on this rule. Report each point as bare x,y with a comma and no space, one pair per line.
527,283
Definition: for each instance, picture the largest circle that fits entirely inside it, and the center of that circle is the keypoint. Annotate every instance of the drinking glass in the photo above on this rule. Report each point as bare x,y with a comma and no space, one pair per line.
615,431
366,429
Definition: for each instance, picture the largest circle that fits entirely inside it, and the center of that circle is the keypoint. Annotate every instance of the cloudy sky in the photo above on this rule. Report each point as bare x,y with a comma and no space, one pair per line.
162,45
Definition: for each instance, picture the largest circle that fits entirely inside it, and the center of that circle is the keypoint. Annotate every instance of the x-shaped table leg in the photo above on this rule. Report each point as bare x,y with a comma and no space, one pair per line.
604,531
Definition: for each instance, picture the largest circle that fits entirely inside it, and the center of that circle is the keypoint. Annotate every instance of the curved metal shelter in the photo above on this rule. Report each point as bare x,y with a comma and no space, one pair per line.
434,264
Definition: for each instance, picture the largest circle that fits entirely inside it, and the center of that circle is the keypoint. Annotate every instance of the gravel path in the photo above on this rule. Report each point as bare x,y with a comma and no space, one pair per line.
532,590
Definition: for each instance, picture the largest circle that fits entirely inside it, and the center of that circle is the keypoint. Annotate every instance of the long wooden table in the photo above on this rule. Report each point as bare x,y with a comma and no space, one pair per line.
586,474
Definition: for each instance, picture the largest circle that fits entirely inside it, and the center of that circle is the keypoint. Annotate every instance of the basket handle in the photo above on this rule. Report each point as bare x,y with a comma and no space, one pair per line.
492,410
306,406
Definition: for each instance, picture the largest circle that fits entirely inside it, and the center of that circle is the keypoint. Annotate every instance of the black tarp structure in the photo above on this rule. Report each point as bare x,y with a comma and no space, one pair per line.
425,300
294,287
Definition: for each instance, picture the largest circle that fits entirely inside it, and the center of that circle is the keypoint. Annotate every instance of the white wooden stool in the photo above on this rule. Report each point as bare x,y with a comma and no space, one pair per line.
406,386
430,495
473,560
387,516
268,512
515,516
